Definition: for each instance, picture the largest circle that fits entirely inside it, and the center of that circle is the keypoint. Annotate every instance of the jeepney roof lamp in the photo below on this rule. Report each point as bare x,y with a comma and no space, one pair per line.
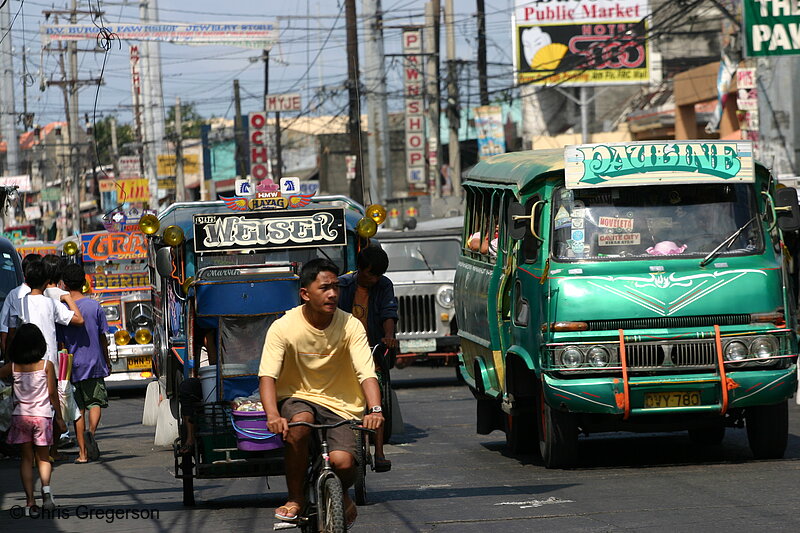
71,248
377,213
366,227
173,235
567,326
86,288
149,224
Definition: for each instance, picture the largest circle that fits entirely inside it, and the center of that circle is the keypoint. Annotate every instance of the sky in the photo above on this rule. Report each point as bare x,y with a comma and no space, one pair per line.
309,58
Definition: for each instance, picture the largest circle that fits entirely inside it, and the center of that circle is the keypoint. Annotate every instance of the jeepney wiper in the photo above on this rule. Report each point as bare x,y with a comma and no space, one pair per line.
728,241
426,261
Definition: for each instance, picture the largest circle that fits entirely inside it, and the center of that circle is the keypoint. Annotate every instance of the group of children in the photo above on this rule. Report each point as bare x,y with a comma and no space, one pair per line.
49,310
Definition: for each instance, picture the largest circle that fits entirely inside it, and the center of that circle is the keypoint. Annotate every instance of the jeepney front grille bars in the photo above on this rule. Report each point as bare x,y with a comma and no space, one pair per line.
682,355
417,314
669,322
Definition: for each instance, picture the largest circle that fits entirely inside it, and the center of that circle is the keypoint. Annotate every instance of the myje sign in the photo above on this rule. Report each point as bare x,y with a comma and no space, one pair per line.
283,102
771,27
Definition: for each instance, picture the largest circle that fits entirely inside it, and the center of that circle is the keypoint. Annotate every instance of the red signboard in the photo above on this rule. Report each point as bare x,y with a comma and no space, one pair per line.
110,246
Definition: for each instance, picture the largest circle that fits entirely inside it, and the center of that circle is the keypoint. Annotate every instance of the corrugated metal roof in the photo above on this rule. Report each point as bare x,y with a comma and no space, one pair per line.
517,168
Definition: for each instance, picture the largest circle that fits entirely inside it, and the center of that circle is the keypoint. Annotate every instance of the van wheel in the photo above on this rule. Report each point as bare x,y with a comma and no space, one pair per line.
768,430
558,436
521,433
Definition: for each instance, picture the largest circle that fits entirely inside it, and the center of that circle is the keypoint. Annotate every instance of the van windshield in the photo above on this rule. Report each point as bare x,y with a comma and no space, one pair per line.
441,254
644,222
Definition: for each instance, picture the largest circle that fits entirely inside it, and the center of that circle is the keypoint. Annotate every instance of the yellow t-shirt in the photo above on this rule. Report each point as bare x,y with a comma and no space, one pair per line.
325,367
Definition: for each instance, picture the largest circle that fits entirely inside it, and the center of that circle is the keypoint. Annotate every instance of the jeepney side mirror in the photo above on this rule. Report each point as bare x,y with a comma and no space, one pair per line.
787,209
516,226
164,262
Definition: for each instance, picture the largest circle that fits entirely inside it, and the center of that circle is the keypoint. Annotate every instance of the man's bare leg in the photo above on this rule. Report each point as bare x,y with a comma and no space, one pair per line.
296,461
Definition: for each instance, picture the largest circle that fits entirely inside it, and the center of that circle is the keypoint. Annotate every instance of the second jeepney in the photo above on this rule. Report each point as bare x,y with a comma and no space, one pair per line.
637,286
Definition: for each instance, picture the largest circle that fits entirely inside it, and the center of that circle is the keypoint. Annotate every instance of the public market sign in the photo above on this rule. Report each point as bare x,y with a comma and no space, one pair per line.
772,27
654,163
269,230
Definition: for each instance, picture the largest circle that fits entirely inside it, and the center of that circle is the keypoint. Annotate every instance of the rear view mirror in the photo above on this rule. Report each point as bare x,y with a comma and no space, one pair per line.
516,227
164,262
787,209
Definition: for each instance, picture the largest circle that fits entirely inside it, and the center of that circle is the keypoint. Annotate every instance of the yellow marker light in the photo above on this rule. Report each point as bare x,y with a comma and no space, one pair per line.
149,224
143,336
377,213
122,337
71,248
86,288
366,227
444,317
187,284
173,235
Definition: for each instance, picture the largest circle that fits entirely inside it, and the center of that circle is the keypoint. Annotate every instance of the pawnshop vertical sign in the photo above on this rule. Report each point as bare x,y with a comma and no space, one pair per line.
772,27
415,123
259,158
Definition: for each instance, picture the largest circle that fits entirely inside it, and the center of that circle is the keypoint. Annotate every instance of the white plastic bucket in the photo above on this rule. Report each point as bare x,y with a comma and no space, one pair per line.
208,383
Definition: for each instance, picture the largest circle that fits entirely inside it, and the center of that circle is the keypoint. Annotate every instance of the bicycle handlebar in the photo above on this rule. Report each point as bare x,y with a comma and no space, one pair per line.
354,424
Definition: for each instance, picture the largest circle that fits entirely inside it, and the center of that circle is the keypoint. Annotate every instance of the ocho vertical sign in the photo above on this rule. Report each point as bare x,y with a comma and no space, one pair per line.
259,158
415,123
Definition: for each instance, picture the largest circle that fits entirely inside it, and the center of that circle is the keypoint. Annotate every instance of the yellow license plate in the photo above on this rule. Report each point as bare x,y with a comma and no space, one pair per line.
139,363
660,400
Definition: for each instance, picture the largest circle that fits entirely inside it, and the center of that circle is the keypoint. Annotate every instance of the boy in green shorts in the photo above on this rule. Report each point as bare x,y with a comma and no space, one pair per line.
90,363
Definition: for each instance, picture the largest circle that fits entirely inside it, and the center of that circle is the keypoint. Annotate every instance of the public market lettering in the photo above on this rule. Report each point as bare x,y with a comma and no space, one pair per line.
267,230
651,163
109,246
119,282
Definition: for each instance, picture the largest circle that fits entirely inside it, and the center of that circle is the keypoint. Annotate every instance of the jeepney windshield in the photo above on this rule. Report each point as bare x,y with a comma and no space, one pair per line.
337,254
662,220
436,254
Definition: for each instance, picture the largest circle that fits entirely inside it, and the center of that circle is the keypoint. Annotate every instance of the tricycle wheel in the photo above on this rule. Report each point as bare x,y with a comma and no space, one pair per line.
558,436
360,485
188,480
767,430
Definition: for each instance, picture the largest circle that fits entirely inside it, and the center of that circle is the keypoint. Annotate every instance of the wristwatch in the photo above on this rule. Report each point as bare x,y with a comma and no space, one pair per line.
376,409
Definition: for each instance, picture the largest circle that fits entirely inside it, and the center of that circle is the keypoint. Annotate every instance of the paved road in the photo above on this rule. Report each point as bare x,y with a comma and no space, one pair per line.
445,478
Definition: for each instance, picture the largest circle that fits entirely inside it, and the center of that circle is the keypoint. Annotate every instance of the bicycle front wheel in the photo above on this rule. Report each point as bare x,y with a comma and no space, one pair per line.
333,503
360,485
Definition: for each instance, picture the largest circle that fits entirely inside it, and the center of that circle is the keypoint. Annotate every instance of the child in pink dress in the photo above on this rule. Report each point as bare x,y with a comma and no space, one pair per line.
36,401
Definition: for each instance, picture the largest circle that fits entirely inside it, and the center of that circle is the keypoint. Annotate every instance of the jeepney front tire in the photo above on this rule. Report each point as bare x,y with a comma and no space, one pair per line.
558,437
768,430
522,436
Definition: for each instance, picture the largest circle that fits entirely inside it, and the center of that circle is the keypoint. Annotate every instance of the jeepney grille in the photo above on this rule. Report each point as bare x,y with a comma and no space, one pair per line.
417,314
688,354
669,322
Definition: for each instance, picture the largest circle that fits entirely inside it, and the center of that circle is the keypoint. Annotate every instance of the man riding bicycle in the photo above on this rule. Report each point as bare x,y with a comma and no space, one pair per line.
316,367
369,296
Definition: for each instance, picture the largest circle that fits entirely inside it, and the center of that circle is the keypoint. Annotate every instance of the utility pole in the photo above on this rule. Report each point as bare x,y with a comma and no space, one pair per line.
238,130
452,101
277,171
114,147
72,124
180,187
431,42
8,114
354,116
482,76
380,169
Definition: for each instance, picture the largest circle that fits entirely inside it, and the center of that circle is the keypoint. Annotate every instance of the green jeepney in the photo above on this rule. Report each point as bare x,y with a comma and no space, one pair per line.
628,287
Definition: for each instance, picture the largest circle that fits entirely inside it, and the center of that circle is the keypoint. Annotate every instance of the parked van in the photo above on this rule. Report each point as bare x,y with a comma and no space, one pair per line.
636,286
422,266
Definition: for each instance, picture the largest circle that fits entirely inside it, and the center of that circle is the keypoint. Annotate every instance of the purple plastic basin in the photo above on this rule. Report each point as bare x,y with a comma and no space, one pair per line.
252,434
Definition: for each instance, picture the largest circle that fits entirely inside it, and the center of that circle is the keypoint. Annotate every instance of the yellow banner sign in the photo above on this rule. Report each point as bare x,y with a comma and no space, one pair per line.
166,165
136,191
119,282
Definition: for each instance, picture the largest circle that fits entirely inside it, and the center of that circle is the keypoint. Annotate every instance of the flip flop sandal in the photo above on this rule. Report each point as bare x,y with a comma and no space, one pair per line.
80,461
287,516
350,515
382,464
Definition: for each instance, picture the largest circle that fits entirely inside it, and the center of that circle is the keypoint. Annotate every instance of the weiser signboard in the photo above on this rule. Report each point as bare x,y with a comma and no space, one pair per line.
658,163
772,27
581,42
265,230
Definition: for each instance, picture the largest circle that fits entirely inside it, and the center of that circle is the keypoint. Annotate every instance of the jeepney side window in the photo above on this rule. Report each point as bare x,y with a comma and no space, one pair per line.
530,244
472,225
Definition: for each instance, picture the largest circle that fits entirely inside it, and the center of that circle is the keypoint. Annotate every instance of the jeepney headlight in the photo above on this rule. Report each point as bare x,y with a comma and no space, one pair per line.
735,351
763,347
111,312
445,296
571,357
143,336
122,337
598,356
